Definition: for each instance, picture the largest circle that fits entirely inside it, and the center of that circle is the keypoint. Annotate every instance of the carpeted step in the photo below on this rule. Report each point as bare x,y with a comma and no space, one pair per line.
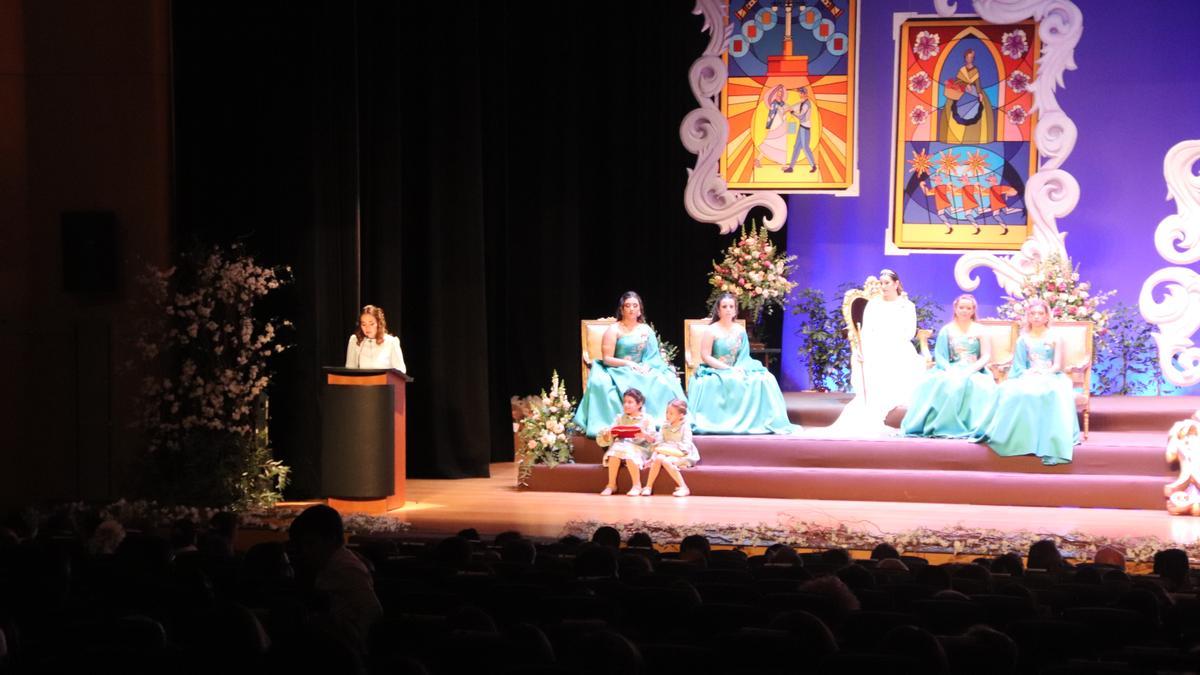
1104,453
885,485
1151,414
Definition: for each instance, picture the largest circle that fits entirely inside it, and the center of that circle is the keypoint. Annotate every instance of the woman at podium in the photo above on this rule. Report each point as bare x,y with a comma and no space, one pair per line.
371,346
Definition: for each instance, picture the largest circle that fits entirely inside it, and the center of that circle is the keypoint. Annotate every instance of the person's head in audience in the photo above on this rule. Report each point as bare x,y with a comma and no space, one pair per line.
606,535
640,540
1044,555
936,576
605,652
996,651
884,551
570,542
979,575
505,537
1172,565
810,635
520,551
892,564
217,542
918,645
594,561
1089,574
1110,557
105,539
453,554
782,554
266,567
1142,601
634,566
183,536
951,594
1008,563
144,556
856,577
842,600
316,535
694,548
836,558
470,534
1017,589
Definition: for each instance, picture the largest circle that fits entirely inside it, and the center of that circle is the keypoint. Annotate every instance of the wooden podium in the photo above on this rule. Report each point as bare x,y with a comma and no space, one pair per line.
363,441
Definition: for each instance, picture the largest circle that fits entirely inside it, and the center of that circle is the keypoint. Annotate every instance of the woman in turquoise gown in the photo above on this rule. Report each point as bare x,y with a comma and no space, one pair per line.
1033,412
953,398
631,360
731,393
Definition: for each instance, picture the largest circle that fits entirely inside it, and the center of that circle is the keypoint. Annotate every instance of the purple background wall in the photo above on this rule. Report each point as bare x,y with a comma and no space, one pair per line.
1135,94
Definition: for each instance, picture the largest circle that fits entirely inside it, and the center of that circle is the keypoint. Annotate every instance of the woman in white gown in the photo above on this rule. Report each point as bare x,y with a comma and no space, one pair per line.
890,365
371,346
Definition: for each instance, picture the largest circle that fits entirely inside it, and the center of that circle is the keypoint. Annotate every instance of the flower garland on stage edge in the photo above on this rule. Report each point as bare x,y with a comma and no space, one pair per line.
546,430
957,540
754,271
205,411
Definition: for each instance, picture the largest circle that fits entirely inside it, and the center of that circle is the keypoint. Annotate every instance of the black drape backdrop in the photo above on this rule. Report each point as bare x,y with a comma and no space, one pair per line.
488,174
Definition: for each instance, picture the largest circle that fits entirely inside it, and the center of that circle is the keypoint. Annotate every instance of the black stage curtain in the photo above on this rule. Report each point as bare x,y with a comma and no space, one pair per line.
488,174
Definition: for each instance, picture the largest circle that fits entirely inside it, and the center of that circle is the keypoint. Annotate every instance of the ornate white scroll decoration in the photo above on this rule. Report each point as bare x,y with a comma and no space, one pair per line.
704,132
1177,240
1051,193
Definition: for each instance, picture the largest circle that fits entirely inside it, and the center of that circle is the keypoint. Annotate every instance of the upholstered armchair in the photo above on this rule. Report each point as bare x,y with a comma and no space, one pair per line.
1002,341
693,339
1077,339
591,337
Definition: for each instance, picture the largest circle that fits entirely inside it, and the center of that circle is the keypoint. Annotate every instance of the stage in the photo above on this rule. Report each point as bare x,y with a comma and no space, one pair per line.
1124,449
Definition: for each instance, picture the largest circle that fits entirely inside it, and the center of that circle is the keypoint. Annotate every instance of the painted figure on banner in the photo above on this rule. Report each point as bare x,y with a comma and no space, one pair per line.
967,116
802,111
964,134
789,95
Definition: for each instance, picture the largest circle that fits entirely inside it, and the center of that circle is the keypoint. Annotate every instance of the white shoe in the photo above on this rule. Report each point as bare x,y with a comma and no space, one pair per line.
635,492
606,492
646,491
681,492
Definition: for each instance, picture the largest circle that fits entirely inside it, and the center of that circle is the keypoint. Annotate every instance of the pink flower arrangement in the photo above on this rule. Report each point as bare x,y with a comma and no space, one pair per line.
754,271
1057,282
1017,115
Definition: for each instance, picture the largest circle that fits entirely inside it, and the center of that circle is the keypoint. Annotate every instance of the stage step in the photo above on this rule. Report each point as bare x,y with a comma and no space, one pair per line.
1103,453
1121,465
883,485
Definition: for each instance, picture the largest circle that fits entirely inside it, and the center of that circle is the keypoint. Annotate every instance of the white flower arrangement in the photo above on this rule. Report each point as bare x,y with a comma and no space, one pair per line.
545,432
204,414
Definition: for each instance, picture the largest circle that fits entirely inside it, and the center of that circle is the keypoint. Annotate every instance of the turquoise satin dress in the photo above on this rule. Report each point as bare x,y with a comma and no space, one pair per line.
601,402
953,399
744,399
1033,412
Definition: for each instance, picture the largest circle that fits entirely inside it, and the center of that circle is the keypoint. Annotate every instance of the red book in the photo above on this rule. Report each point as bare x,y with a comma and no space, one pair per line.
626,431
